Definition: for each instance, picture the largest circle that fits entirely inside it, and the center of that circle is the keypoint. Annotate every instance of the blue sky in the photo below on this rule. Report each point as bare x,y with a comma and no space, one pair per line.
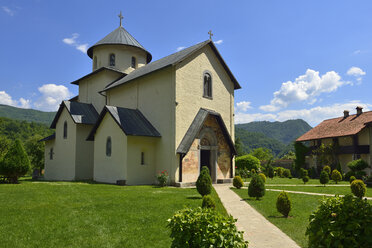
294,59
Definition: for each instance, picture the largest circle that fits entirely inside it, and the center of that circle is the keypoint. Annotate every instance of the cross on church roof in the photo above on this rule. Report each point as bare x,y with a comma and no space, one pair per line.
210,34
120,17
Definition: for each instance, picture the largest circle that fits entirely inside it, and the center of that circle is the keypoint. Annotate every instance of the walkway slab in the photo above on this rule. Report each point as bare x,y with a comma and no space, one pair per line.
310,193
257,230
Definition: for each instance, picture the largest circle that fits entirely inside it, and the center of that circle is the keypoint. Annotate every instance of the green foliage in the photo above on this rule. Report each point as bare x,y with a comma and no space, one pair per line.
300,152
256,187
204,182
35,151
305,179
287,173
253,171
208,202
15,162
239,147
327,169
263,154
358,188
270,171
290,155
283,204
162,178
304,172
238,182
341,222
248,162
29,115
336,176
324,177
279,171
263,177
203,227
326,154
357,165
243,173
313,173
360,174
349,174
352,178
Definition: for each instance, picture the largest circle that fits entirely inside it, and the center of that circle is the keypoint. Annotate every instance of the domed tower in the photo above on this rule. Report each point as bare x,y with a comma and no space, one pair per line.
119,50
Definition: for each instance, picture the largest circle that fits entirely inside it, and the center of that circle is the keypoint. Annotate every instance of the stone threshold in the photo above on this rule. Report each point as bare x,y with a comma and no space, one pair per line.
192,184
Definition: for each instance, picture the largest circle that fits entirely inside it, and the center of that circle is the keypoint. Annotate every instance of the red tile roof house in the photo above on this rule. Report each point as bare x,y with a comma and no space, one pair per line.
352,133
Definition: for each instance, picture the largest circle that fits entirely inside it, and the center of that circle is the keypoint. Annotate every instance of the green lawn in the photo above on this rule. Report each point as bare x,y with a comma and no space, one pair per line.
295,225
320,189
295,181
72,214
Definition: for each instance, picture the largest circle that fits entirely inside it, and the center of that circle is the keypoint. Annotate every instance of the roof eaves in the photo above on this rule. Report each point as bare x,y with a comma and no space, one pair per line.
76,82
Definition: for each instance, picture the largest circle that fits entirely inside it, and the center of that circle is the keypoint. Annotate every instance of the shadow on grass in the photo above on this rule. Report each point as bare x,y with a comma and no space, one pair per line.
194,197
250,199
279,217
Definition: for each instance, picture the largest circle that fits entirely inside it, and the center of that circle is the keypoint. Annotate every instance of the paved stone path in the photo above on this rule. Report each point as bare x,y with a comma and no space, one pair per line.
257,230
309,193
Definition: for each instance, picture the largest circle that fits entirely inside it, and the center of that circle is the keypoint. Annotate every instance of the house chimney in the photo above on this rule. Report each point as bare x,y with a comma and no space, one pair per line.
346,113
359,110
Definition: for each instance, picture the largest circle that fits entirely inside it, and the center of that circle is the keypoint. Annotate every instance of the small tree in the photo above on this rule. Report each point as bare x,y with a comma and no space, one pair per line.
324,178
263,177
263,154
358,188
35,151
357,165
15,163
204,182
256,187
305,179
238,182
208,202
270,171
248,162
327,169
336,176
283,204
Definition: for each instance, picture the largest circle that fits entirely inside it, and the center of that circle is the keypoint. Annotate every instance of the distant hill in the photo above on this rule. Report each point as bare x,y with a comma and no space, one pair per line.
276,136
29,115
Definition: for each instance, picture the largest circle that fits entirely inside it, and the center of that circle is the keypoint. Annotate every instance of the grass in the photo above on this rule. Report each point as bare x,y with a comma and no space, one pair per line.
73,214
294,181
320,189
295,225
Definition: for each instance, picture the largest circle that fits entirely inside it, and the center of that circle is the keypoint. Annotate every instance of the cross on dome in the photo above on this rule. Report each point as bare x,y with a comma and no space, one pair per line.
120,17
210,34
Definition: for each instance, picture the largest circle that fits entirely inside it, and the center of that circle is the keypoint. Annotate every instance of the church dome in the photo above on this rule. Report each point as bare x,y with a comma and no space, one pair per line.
119,36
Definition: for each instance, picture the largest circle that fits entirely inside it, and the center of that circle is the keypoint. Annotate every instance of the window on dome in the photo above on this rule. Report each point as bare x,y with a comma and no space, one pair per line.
134,62
112,59
95,63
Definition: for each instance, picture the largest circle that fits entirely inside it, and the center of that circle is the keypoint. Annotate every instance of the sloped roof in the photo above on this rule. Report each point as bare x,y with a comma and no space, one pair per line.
131,121
171,60
338,127
119,36
50,137
97,71
196,126
81,113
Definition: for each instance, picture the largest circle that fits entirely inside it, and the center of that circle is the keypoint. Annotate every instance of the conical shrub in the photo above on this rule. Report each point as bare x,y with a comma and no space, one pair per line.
283,204
256,187
238,182
204,182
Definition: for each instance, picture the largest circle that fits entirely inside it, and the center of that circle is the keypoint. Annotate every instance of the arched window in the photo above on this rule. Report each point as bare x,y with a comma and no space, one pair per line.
65,130
108,146
51,153
95,63
142,158
112,59
207,86
134,62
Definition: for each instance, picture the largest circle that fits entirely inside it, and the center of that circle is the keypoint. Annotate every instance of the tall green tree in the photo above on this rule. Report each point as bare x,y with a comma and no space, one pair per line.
263,154
35,151
239,147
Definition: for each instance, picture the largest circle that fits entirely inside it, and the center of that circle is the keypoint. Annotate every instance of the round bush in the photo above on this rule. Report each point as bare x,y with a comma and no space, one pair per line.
324,178
263,177
270,171
283,204
253,171
304,172
204,227
287,173
248,162
327,169
208,202
352,178
279,171
357,165
341,222
358,188
305,179
238,182
336,176
256,187
204,182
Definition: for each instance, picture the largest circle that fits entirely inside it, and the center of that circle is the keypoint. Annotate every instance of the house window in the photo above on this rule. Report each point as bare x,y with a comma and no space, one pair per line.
134,62
112,59
65,130
108,147
95,63
51,153
207,92
142,158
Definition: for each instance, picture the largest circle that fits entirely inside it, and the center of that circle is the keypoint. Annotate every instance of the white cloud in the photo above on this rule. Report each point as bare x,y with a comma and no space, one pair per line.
6,99
313,115
356,72
304,88
52,95
180,48
243,106
218,42
72,41
8,11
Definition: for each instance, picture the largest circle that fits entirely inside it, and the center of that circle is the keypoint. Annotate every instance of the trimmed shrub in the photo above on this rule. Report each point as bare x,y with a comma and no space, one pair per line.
341,222
279,171
256,187
263,177
349,174
283,204
305,179
253,171
303,172
352,178
270,171
238,182
327,169
15,162
324,178
360,174
357,165
336,176
248,162
204,227
287,173
358,188
204,182
208,202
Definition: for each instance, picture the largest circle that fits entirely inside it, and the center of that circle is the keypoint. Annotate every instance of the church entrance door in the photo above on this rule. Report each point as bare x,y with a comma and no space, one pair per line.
205,160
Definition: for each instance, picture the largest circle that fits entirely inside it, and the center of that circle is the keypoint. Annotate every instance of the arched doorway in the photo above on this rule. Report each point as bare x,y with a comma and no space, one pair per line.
208,151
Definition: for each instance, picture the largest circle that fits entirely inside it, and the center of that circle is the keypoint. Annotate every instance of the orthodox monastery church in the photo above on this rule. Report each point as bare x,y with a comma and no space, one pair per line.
134,118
